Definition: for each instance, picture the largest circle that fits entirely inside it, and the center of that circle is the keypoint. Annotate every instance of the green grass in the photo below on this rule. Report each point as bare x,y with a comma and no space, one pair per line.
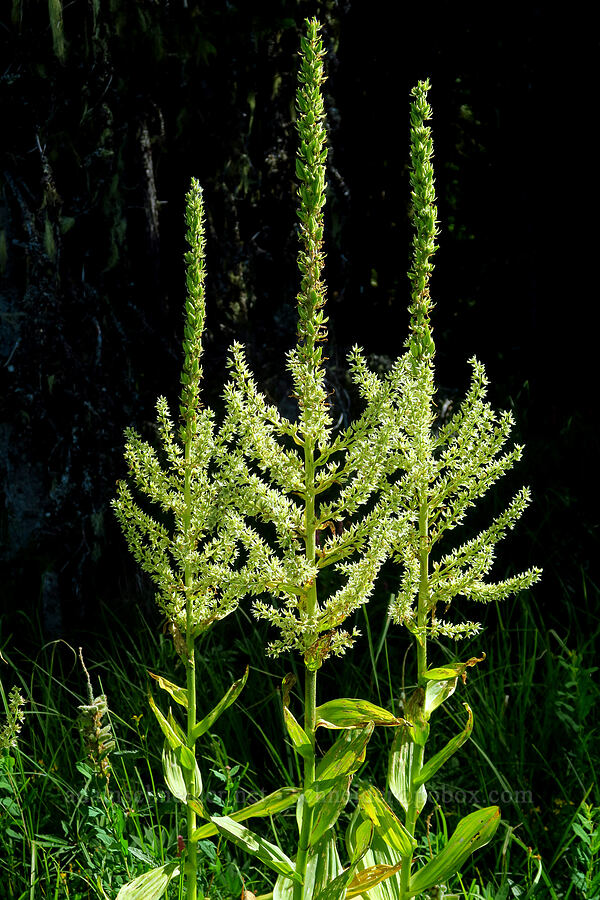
65,832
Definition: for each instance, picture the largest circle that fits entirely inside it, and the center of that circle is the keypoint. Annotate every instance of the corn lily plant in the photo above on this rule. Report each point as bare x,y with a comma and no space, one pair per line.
262,505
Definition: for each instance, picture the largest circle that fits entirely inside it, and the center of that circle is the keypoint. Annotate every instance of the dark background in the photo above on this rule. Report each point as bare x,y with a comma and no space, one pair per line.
103,125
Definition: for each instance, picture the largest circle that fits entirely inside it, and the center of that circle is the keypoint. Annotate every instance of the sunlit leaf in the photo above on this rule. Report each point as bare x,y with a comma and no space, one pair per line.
363,838
343,758
453,670
174,776
400,769
268,806
437,761
379,853
336,889
436,692
386,823
368,878
474,831
178,694
323,865
151,885
231,695
298,735
264,850
183,754
328,809
349,712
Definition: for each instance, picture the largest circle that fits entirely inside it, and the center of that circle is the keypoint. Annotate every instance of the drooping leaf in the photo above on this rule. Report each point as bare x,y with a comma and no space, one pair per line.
369,878
268,853
453,670
386,823
178,694
151,885
349,712
226,701
268,806
437,761
472,832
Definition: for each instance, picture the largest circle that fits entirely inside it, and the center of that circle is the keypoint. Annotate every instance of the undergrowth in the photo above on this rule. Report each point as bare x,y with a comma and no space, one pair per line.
70,830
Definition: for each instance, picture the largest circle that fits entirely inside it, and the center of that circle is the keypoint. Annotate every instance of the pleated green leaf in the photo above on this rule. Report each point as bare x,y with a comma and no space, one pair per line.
298,735
268,806
349,712
474,831
400,769
343,758
183,754
369,878
323,865
174,776
151,885
437,761
327,810
264,850
453,670
379,853
336,889
386,823
436,692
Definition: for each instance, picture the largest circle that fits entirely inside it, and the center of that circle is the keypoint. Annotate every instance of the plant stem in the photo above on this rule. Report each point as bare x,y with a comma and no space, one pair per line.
418,749
310,676
423,602
191,866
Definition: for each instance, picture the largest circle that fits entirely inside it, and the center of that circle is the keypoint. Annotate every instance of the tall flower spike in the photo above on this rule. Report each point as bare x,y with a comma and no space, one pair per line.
449,469
422,181
283,485
446,471
306,361
195,312
194,563
310,169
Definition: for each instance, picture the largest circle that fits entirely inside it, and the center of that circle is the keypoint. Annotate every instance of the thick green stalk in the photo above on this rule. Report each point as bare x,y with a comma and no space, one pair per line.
310,168
191,866
310,676
423,602
418,749
190,378
422,350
